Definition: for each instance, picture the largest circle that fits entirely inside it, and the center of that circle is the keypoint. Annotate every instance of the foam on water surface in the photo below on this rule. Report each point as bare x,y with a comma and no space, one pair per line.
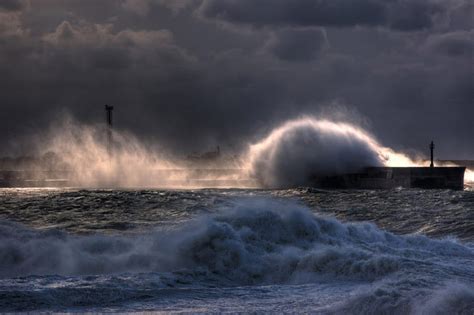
246,250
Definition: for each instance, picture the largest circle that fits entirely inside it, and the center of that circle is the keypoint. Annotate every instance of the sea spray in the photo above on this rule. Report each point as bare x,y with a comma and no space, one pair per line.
289,156
85,153
300,149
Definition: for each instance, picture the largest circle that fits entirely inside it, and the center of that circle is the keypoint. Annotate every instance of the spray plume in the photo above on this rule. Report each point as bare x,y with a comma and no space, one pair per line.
84,153
469,176
306,147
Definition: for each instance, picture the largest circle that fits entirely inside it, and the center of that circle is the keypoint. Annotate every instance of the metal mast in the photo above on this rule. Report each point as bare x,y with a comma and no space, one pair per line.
432,146
108,110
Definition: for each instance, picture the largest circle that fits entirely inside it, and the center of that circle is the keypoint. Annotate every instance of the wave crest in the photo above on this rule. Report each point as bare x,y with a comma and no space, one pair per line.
300,149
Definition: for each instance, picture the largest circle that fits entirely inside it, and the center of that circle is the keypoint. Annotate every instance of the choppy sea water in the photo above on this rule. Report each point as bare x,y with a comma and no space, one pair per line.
213,251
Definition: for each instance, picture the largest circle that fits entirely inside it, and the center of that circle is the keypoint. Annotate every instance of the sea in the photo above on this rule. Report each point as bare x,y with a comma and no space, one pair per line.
304,250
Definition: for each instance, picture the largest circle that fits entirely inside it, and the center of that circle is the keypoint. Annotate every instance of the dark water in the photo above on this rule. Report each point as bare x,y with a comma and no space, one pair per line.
213,251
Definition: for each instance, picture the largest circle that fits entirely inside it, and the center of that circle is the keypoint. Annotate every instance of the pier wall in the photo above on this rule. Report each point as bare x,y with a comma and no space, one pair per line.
368,178
392,177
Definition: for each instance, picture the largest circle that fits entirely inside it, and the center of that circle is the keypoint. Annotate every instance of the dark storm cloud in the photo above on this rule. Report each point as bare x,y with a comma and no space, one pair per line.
11,5
190,84
297,45
405,15
461,15
81,66
455,44
159,90
412,15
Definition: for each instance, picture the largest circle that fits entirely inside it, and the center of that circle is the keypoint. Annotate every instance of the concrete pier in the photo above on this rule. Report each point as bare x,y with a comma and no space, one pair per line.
368,178
393,177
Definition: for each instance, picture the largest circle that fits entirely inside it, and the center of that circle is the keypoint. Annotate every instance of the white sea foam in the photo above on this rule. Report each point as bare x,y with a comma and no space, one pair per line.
309,146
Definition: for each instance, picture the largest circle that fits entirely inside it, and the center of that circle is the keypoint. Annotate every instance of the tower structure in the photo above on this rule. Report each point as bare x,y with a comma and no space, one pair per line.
108,110
432,146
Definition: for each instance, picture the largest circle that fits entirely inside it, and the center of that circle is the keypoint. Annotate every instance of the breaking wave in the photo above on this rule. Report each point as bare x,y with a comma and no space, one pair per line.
294,152
386,298
251,242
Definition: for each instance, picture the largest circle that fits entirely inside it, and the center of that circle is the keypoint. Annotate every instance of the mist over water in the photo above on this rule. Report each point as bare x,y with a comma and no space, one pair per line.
288,156
85,152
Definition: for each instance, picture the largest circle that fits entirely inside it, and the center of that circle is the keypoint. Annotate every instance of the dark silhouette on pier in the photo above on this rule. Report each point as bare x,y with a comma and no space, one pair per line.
109,110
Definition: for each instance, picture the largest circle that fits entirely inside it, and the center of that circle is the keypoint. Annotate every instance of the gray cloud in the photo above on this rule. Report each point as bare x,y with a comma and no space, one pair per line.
456,44
140,7
297,45
411,15
190,84
12,5
404,15
143,7
460,15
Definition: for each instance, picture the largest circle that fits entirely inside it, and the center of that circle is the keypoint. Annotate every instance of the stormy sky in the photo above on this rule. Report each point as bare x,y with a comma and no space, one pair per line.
192,74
